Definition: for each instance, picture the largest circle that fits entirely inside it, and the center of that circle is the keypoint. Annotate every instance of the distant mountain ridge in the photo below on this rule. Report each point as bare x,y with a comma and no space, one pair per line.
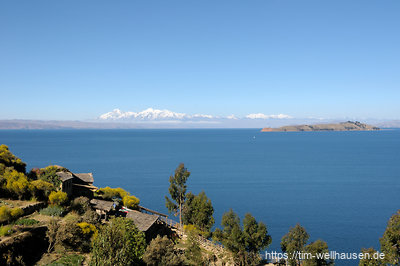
344,126
152,114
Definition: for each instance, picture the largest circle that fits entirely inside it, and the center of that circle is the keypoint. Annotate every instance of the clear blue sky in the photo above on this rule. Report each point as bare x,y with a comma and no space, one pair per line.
79,59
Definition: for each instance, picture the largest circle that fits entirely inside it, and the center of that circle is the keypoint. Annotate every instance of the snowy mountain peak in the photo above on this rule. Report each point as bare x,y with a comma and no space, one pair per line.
150,114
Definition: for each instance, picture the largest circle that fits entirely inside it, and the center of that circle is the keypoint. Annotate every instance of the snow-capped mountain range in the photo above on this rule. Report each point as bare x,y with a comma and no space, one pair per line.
151,114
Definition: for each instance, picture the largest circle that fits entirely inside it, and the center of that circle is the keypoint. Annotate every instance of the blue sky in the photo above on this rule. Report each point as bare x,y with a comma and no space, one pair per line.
79,59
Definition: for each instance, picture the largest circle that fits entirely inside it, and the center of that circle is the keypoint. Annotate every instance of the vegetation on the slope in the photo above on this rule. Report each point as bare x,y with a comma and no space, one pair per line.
118,243
370,258
9,160
48,174
108,193
245,242
315,249
58,198
198,210
294,242
5,230
10,214
16,184
390,241
131,202
162,251
53,211
119,195
68,260
26,221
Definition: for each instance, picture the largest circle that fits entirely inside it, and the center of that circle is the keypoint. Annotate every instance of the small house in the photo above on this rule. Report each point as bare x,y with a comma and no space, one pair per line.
147,223
102,207
77,184
66,182
151,225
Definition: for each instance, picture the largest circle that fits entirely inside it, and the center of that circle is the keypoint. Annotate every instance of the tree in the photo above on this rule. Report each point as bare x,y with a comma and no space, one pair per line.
58,198
390,241
244,244
198,211
317,249
177,190
294,242
193,253
255,234
118,243
370,257
161,251
49,174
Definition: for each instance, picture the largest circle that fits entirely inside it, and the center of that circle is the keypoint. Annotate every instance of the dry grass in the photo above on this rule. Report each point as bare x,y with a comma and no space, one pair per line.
15,203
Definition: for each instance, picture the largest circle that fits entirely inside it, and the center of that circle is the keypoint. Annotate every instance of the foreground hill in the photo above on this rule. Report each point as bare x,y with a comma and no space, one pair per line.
344,126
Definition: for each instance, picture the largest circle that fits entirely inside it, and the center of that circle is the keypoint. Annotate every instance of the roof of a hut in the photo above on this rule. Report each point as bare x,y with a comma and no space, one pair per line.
143,221
64,176
85,177
104,205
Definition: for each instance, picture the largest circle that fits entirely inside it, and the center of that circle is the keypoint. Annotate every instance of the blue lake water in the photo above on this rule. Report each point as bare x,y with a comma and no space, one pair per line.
341,186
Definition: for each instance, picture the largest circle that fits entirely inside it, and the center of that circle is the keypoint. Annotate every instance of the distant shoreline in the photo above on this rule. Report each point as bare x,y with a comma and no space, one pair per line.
344,126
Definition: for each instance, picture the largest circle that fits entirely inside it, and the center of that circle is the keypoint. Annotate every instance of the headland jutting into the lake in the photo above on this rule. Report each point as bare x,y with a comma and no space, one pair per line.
344,126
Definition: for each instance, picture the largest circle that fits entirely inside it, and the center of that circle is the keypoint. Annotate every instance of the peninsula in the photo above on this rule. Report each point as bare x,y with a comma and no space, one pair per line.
344,126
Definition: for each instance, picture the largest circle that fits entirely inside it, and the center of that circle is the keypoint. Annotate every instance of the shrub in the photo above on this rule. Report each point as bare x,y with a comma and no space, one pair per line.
72,217
69,236
16,184
26,221
10,160
49,174
42,189
88,229
71,260
88,232
91,217
110,193
52,230
81,205
131,202
58,198
16,213
53,211
161,251
118,243
5,230
5,213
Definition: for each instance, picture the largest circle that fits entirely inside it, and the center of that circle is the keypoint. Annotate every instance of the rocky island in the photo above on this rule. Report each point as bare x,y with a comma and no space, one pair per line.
344,126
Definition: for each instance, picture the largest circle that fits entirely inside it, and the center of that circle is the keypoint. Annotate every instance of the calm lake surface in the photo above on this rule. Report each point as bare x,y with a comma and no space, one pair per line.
341,186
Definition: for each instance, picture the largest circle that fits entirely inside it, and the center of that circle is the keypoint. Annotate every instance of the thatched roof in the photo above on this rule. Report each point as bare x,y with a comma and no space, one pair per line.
85,177
64,176
143,221
103,205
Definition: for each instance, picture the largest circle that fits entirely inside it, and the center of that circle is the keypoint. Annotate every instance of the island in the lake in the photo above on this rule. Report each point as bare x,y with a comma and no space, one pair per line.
344,126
